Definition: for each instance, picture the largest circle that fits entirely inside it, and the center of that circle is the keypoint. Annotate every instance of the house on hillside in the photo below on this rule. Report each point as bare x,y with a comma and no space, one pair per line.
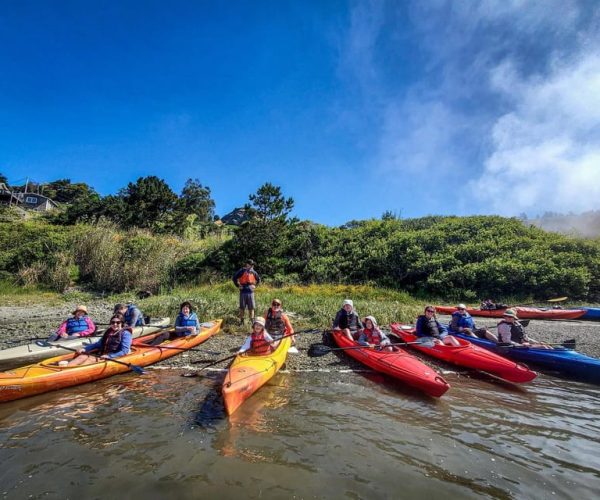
29,201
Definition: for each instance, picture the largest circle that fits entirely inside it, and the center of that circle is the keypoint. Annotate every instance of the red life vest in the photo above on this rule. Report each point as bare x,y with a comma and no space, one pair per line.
373,336
247,278
259,345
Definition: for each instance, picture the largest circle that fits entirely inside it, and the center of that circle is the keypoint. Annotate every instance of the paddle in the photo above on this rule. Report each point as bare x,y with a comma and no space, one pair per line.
556,299
317,350
137,369
568,344
195,374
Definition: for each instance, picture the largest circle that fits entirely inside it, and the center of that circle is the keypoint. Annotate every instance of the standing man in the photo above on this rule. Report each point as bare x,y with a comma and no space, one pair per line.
246,280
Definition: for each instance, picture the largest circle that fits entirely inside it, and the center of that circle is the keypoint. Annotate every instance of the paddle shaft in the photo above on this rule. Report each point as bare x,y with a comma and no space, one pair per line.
236,354
135,368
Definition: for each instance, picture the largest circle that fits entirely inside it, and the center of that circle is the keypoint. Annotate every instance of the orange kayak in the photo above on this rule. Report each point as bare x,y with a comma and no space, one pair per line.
47,376
248,373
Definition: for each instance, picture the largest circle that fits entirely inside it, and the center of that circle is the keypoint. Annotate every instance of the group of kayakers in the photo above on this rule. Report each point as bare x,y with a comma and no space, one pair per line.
366,331
267,331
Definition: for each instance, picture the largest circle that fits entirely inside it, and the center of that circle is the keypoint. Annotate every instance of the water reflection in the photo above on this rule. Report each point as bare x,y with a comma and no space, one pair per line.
321,435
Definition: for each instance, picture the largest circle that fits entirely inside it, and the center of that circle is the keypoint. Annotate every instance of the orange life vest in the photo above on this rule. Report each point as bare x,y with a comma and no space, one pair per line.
259,345
373,336
247,278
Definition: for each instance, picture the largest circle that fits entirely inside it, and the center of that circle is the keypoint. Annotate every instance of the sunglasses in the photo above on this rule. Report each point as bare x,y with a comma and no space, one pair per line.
429,311
275,304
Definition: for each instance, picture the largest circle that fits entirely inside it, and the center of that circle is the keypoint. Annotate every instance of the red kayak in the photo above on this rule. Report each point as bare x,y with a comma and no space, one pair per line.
522,312
399,365
469,355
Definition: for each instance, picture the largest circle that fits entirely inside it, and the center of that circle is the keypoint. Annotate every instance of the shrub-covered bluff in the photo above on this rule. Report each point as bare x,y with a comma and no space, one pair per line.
466,258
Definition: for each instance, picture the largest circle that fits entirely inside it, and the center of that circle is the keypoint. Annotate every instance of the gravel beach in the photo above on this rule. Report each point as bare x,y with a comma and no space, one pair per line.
21,323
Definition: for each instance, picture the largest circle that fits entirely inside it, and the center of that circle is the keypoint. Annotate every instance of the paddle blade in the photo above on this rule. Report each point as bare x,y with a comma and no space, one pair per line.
558,299
42,343
570,344
318,350
137,369
426,343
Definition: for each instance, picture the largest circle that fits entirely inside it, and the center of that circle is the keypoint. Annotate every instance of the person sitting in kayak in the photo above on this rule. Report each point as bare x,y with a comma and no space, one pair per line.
347,320
277,323
429,327
463,322
510,331
259,341
115,342
372,336
186,322
131,314
78,325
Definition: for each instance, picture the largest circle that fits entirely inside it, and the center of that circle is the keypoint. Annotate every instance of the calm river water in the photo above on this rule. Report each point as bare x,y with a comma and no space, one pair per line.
305,435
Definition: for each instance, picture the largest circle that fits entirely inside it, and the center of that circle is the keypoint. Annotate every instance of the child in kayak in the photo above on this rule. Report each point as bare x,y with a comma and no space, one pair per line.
429,327
372,336
347,320
79,325
186,322
115,342
259,341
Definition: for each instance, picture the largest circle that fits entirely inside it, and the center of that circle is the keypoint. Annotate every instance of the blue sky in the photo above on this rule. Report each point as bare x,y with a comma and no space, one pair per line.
353,108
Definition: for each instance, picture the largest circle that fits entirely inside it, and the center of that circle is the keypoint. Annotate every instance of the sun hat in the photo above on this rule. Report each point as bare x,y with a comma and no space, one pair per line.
80,308
511,313
461,306
276,301
347,302
259,320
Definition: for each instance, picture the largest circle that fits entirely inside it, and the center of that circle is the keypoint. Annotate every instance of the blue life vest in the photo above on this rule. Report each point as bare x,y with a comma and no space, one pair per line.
465,321
191,320
129,316
75,325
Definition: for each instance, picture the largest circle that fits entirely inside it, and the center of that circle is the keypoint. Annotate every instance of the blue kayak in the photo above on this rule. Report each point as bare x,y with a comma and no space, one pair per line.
591,313
559,359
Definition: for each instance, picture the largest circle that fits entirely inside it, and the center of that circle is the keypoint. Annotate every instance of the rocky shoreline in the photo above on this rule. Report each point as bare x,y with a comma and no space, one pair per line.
17,324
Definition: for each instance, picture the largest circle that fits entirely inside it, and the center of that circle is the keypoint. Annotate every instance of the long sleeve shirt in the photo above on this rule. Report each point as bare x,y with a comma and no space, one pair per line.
248,343
182,323
124,348
85,333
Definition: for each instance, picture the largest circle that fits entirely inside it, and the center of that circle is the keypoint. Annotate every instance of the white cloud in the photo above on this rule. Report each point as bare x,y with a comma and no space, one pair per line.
495,101
546,151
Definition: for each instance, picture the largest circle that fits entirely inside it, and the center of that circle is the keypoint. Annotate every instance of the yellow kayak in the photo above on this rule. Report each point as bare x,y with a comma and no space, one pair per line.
248,373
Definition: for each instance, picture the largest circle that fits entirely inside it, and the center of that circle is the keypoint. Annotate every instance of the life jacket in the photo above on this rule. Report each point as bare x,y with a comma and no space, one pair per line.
75,325
275,324
373,336
349,321
517,333
111,340
463,321
191,320
430,327
259,345
247,278
128,316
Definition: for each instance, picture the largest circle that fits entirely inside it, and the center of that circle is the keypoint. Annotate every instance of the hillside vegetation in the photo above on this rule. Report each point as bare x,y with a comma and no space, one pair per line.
451,257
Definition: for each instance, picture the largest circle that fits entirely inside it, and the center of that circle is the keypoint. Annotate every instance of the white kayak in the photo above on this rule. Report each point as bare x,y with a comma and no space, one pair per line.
33,353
